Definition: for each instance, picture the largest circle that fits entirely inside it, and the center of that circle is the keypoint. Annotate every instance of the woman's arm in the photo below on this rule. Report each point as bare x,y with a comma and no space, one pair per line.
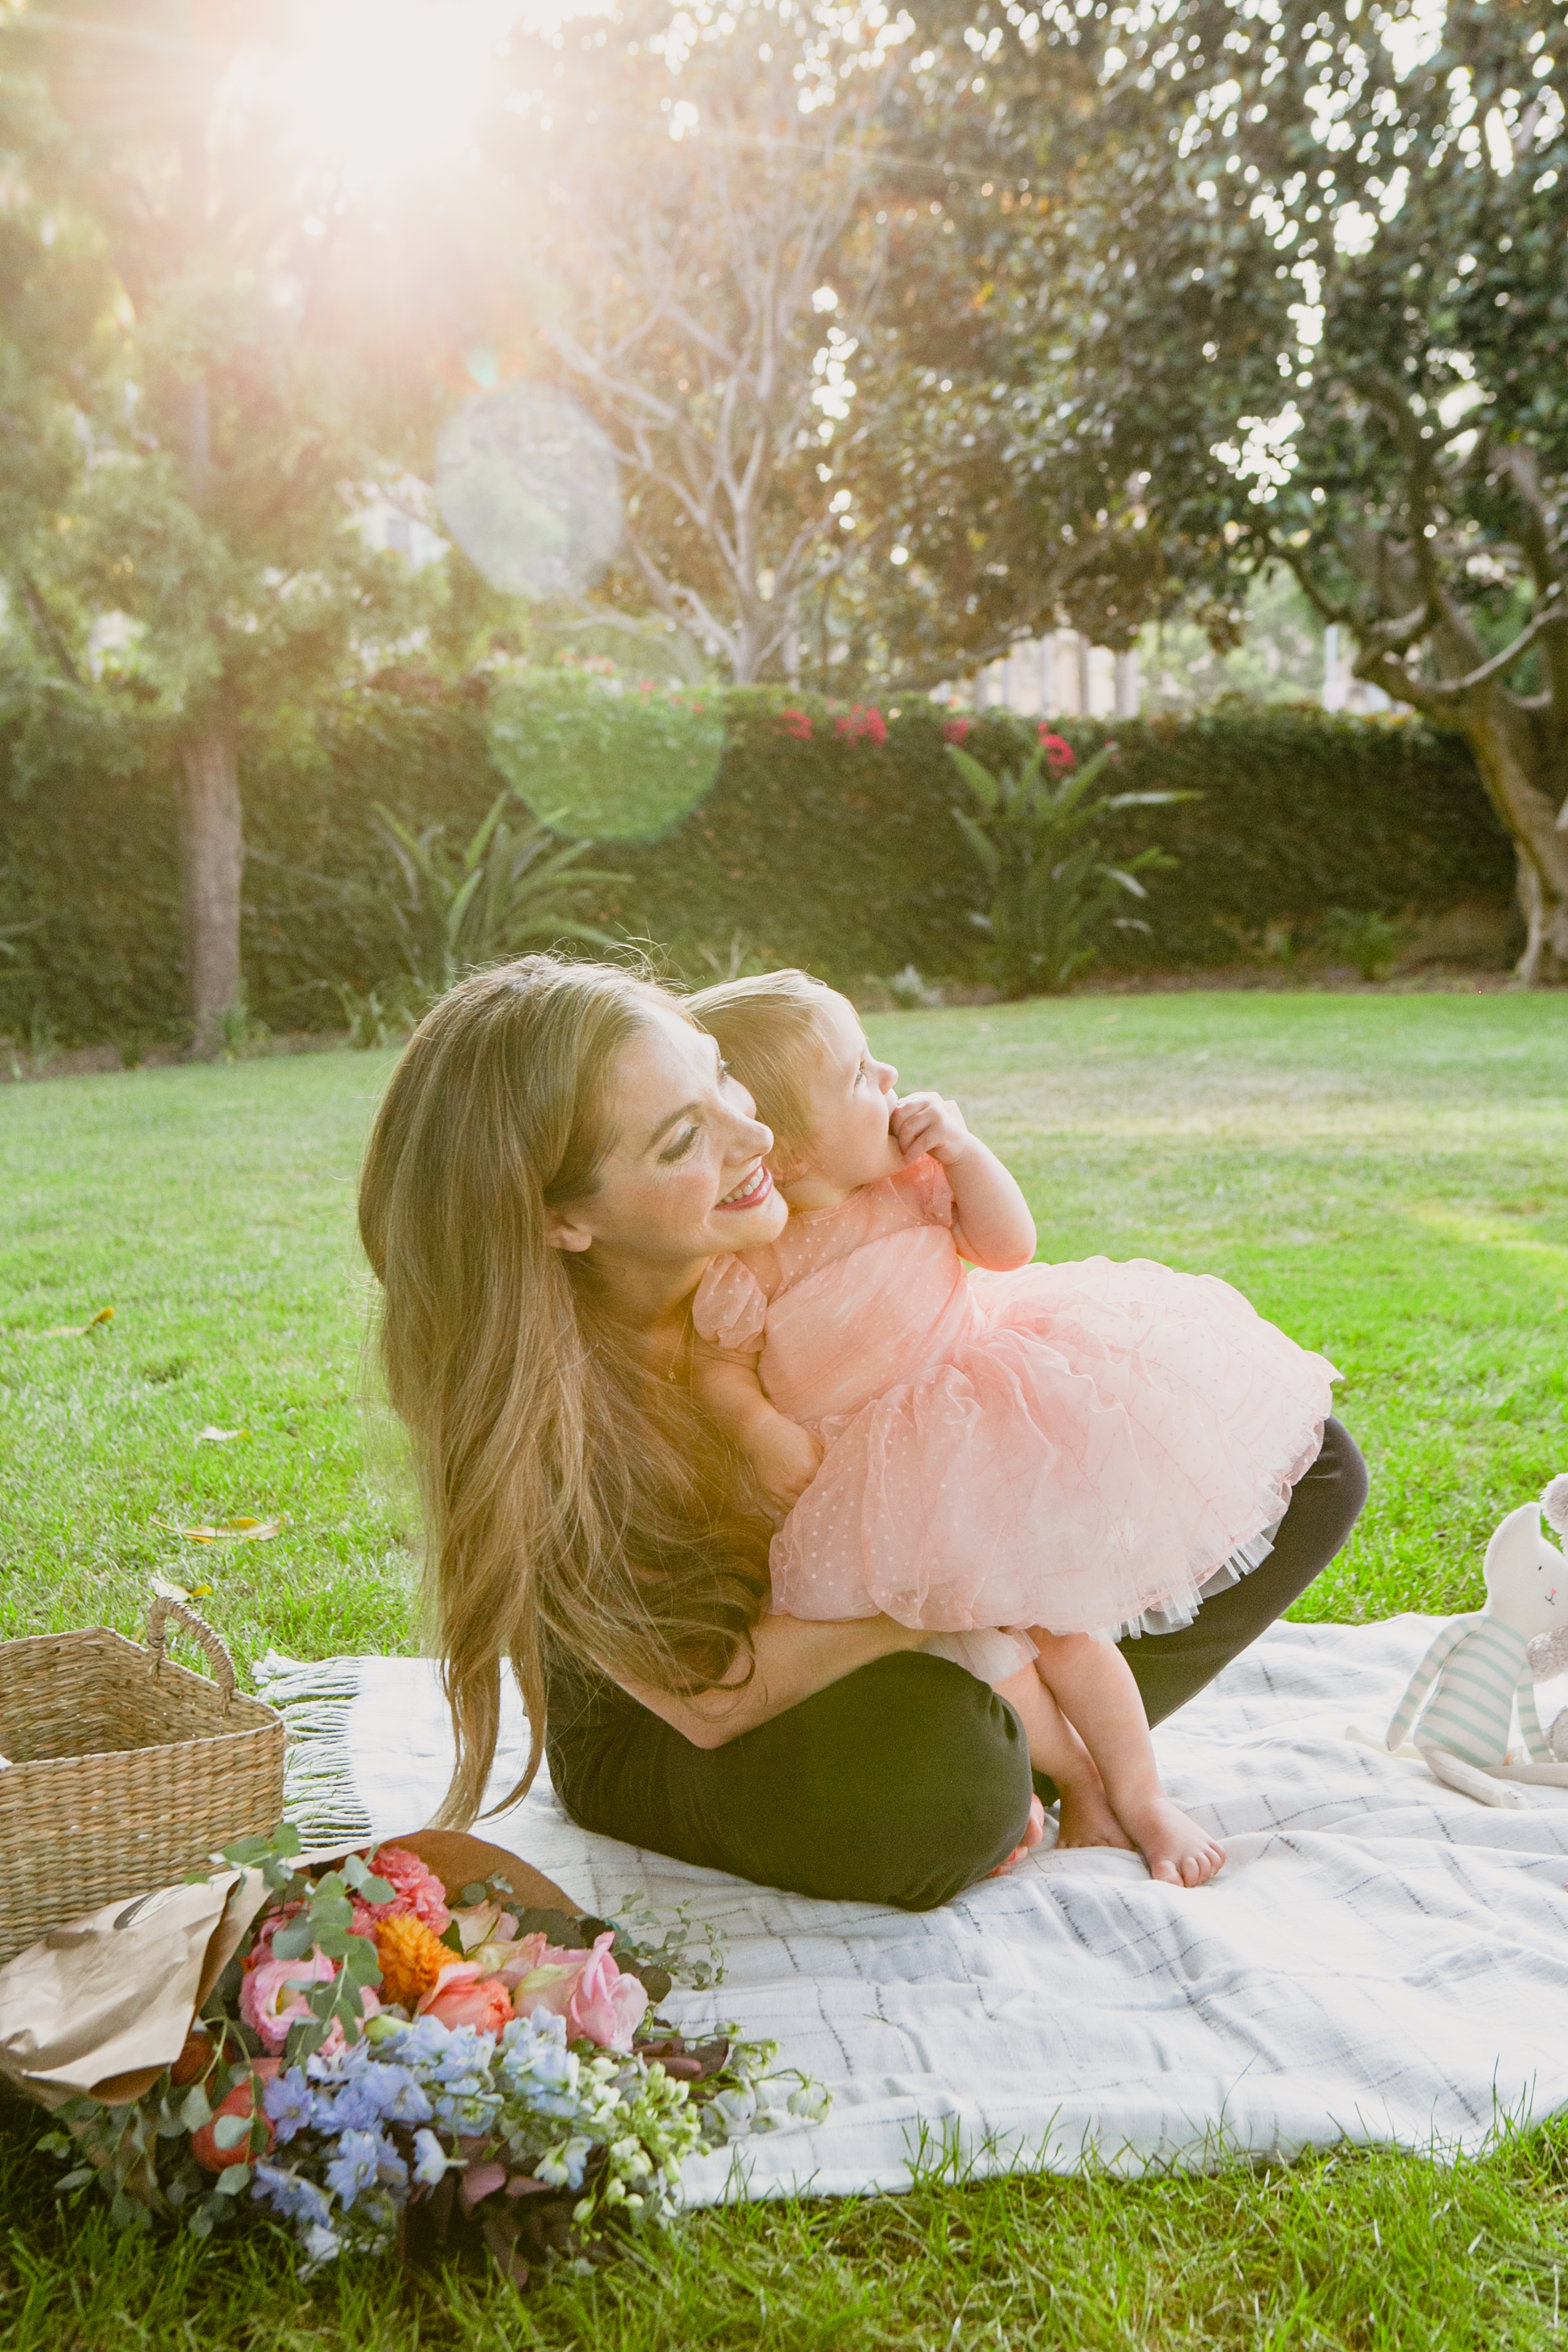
794,1658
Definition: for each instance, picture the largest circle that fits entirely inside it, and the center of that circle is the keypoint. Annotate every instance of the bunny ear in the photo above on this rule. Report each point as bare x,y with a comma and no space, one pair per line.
1554,1502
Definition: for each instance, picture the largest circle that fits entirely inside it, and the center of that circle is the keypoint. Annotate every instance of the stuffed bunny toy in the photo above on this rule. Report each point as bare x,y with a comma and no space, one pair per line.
1458,1709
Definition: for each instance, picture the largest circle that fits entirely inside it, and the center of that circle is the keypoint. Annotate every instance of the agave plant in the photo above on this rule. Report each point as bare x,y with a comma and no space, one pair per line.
1036,836
503,890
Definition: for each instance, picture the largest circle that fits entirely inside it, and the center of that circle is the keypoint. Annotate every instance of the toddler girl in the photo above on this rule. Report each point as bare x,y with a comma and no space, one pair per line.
1075,1452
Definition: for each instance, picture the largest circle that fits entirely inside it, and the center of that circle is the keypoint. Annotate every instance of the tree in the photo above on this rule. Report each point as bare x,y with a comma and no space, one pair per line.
1323,247
703,177
253,371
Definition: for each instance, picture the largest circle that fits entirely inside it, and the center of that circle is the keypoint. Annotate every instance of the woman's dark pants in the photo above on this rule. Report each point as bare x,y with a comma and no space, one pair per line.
908,1779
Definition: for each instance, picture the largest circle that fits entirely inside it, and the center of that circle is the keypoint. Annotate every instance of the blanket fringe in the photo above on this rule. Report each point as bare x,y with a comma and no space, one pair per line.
320,1794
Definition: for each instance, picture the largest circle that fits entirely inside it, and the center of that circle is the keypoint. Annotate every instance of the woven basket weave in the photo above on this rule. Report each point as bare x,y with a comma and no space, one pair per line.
126,1770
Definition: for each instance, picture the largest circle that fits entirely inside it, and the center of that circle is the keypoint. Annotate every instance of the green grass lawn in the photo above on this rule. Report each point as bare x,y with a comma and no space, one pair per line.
1386,1176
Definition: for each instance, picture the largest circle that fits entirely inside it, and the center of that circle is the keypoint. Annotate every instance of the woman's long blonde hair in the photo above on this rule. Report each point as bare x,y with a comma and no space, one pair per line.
569,1498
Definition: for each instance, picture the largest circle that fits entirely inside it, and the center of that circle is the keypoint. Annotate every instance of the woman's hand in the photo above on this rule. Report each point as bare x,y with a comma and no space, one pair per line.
795,1657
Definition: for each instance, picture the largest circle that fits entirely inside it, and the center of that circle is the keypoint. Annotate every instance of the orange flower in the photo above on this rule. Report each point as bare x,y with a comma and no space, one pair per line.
411,1958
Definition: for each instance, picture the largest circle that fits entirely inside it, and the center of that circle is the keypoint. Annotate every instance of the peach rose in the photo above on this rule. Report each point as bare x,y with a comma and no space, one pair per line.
241,2101
461,1996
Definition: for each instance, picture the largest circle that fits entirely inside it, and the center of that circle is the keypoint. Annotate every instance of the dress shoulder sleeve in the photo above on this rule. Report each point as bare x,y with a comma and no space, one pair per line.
730,1308
925,1186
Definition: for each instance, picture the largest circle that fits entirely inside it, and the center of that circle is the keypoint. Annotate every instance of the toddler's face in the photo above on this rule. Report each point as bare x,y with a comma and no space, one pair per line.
852,1098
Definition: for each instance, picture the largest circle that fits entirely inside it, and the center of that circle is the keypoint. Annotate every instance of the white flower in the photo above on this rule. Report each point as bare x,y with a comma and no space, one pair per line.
431,2161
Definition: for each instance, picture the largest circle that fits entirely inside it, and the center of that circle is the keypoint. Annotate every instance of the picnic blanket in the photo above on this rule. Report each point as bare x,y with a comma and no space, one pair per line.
1382,1960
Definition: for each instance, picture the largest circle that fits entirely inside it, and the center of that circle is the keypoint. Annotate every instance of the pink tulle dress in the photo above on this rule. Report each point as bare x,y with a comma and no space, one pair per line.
1091,1448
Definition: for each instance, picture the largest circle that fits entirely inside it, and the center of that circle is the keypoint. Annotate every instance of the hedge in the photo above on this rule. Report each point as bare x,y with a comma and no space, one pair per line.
834,848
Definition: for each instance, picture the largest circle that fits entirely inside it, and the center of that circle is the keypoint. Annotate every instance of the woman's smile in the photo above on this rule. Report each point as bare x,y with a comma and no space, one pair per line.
751,1191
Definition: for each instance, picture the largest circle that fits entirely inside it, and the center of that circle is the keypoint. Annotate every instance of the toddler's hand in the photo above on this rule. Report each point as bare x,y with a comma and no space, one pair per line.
928,1123
786,1459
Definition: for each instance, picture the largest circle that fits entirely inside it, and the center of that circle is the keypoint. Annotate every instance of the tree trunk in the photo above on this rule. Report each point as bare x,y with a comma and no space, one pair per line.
1506,755
211,857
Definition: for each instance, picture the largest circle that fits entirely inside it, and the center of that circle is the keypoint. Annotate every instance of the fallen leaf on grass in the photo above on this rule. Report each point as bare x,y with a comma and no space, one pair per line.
210,1436
167,1590
78,1331
238,1530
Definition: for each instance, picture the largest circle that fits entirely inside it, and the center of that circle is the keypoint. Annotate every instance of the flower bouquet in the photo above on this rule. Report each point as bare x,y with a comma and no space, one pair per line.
386,2061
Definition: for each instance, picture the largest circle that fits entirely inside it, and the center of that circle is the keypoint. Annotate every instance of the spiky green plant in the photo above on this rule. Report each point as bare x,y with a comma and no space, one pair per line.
502,891
1036,836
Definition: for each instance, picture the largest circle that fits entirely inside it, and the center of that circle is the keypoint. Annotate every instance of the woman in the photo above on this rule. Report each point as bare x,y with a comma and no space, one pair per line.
558,1155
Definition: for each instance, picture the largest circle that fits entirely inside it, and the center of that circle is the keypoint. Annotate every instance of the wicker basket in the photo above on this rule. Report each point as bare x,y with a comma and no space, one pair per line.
126,1770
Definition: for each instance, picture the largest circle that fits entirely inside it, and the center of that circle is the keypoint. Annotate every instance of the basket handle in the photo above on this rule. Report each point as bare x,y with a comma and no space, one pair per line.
164,1607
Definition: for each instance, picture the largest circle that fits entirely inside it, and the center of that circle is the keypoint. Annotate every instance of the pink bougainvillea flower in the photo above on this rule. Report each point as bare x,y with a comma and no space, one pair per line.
415,1889
1060,753
274,1993
954,730
461,1996
865,720
796,723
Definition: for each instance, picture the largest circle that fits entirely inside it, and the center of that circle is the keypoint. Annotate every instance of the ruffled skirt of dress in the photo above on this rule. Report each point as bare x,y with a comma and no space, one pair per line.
1114,1441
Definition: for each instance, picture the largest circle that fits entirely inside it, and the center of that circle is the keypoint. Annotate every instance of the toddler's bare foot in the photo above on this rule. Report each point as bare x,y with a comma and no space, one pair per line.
1171,1843
1086,1819
1034,1830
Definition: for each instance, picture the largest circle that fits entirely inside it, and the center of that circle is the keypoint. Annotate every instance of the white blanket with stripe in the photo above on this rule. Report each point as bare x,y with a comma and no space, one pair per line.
1381,1959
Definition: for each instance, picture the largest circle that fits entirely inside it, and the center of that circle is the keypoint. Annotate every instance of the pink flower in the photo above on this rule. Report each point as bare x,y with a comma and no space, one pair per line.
606,2007
1059,754
274,1993
588,1990
796,723
415,1889
461,1996
954,730
864,719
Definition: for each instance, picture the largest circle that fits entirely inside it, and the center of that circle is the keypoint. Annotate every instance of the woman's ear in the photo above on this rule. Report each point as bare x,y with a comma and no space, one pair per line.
563,1232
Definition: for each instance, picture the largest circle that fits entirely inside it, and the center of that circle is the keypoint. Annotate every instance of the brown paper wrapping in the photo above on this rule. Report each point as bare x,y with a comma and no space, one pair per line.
102,2006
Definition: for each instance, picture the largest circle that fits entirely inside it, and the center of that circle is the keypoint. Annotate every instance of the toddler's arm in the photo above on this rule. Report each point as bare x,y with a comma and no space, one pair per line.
783,1456
993,1227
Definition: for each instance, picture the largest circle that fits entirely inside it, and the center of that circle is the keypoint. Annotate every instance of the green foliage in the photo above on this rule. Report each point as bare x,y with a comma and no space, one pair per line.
608,757
1370,942
1037,843
829,850
502,892
1428,1270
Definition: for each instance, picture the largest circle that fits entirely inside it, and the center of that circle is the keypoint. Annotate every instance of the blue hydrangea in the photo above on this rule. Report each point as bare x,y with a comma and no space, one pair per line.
397,2094
288,2103
290,2195
468,2053
356,2164
424,2042
354,2107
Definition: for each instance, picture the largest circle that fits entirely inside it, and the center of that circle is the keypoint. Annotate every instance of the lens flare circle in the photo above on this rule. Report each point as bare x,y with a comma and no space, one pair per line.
529,488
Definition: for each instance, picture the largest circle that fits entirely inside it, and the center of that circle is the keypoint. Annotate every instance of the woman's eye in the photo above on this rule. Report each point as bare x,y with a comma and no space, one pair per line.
680,1147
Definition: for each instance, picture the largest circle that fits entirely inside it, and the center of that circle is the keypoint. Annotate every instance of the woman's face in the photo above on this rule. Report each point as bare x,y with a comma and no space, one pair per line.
686,1177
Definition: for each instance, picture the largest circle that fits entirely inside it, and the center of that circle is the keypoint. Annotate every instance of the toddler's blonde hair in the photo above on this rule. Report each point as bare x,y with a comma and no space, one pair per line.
772,1030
